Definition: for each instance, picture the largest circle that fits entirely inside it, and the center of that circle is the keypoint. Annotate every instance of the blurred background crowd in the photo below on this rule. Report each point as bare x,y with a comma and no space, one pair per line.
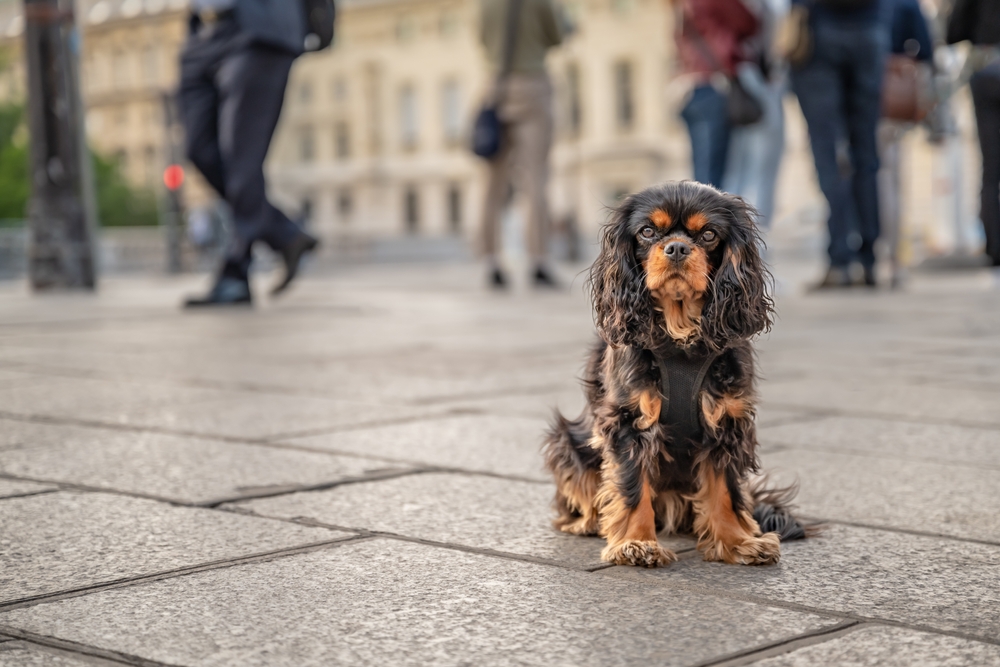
783,103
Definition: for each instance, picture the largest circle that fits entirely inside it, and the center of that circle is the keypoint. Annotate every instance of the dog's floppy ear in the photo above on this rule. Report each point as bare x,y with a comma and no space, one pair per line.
622,307
738,302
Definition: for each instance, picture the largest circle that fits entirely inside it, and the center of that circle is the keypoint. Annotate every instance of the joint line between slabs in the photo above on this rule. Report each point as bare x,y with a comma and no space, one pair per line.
903,531
76,648
782,646
816,611
128,582
882,416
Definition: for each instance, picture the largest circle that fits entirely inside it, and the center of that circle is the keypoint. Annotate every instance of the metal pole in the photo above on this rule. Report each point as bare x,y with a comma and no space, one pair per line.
60,242
172,199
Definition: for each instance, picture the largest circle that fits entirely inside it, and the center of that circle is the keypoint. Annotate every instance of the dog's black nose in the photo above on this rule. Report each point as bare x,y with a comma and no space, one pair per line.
677,250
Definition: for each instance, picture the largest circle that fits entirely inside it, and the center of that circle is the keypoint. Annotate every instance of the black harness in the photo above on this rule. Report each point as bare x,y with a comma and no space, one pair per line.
682,374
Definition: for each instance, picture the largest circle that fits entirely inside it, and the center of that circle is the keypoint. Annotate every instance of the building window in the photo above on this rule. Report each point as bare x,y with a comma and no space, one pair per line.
406,29
119,69
624,92
451,112
151,65
341,141
408,120
340,91
307,144
305,93
454,208
574,110
345,205
411,210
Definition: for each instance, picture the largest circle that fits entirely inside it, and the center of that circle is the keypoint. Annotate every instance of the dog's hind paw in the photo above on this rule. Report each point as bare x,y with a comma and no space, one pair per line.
763,550
634,552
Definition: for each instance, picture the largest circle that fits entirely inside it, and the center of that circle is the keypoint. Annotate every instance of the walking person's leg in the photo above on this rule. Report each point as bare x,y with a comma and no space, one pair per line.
532,143
864,100
494,202
198,105
251,87
890,135
708,127
819,88
986,98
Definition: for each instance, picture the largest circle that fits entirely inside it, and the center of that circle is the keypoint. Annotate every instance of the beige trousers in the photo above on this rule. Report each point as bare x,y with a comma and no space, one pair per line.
526,113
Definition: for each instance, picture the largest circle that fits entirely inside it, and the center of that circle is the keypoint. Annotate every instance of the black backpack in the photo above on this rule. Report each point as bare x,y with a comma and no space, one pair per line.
320,17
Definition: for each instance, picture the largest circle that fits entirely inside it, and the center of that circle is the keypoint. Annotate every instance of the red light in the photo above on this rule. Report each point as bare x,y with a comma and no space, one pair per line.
173,176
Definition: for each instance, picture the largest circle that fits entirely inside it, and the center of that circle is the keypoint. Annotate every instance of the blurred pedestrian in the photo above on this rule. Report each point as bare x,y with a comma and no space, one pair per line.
909,38
709,45
517,34
839,90
978,21
234,68
755,150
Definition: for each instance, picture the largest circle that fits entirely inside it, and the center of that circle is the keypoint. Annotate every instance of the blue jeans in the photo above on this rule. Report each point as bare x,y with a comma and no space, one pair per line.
708,124
755,150
839,91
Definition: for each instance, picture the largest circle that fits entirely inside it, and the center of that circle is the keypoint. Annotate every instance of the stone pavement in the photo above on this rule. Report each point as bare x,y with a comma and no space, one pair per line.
351,476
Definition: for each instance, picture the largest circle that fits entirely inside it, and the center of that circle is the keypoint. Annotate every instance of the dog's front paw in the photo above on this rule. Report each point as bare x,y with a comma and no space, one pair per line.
763,550
634,552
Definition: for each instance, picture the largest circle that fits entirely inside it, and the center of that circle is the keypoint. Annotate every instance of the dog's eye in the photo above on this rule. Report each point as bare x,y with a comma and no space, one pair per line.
646,232
708,235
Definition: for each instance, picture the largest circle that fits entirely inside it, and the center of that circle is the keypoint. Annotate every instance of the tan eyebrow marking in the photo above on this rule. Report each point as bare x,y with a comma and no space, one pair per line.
696,221
661,218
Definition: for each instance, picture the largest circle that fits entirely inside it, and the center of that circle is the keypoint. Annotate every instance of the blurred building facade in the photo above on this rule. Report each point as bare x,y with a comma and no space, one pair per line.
373,138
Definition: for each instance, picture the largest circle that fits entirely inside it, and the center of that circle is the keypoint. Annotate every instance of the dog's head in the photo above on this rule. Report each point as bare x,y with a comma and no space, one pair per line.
681,260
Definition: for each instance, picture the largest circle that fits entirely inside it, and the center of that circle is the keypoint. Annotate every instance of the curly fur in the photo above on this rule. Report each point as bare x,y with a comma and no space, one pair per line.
679,269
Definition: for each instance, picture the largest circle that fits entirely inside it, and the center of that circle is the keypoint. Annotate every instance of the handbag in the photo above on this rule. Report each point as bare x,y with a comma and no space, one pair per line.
742,108
487,130
906,90
793,41
320,17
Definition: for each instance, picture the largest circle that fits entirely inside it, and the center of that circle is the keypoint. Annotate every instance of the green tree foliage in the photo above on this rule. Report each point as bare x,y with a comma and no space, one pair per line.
118,203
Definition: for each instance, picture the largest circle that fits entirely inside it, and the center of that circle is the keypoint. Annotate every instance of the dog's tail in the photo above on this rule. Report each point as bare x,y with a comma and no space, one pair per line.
772,510
567,447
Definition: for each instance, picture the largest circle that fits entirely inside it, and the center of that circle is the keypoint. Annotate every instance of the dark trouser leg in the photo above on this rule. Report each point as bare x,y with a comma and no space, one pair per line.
863,109
986,97
251,86
198,103
708,126
819,88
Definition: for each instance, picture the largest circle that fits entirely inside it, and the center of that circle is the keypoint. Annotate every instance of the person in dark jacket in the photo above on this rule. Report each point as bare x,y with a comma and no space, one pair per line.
978,21
234,68
839,90
709,45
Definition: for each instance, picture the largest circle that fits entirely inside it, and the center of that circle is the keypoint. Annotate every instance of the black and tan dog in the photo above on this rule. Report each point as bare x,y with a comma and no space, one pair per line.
667,440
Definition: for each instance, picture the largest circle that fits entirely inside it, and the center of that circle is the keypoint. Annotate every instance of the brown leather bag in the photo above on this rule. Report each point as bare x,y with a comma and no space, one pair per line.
906,90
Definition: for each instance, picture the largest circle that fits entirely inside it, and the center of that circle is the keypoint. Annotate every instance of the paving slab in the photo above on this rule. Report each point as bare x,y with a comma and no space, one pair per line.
62,541
884,646
387,602
181,469
932,497
10,488
900,439
934,582
886,395
486,443
23,654
470,510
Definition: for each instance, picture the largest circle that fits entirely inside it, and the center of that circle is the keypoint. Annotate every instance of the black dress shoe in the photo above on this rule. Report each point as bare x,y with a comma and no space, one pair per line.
836,277
497,279
543,279
292,255
227,291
